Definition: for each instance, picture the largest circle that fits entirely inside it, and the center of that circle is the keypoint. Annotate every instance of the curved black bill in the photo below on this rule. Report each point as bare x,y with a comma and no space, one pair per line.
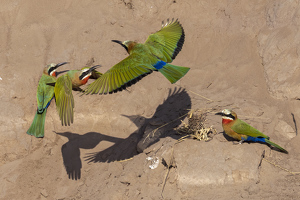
94,67
121,43
117,41
60,64
219,113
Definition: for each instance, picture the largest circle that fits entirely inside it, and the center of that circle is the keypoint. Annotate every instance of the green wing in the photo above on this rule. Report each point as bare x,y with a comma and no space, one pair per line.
242,127
167,42
123,74
45,92
64,99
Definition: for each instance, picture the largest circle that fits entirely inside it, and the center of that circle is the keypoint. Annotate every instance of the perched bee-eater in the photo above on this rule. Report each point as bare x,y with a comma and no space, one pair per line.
44,95
242,131
155,54
73,79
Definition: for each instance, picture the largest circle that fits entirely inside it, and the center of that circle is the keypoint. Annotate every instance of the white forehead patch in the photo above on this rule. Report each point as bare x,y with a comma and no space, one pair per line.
84,70
226,111
126,42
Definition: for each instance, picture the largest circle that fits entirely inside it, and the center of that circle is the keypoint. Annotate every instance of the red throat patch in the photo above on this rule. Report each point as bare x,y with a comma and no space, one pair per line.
53,74
84,81
226,121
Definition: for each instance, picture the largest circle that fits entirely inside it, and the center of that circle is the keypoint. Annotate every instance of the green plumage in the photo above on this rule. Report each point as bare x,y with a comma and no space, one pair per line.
276,145
243,128
173,73
44,95
64,99
63,91
38,125
166,43
159,49
242,131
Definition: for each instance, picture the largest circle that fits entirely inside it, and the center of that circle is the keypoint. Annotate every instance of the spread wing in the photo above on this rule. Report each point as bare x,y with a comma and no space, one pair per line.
125,73
167,42
242,127
64,99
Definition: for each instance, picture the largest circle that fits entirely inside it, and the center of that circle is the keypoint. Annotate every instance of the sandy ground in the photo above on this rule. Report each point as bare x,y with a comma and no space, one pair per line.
242,54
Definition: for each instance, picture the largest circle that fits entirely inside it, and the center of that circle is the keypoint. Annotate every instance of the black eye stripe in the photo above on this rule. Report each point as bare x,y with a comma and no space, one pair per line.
51,69
83,74
230,115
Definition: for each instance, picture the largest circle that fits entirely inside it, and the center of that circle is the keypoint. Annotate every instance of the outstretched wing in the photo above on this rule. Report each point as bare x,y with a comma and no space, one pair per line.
64,99
242,127
125,73
167,42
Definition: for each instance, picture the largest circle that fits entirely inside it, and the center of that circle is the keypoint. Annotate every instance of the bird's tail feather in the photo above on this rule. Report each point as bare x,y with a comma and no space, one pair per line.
173,73
276,145
37,127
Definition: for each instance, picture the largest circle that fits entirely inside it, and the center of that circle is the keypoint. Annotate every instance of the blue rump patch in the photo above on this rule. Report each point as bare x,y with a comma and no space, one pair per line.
160,64
254,139
49,103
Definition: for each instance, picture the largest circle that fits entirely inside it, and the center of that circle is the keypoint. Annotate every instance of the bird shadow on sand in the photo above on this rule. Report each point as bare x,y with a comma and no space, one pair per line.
166,118
71,149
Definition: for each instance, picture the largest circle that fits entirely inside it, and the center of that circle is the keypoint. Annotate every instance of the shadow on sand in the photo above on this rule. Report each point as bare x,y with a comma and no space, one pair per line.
166,118
71,149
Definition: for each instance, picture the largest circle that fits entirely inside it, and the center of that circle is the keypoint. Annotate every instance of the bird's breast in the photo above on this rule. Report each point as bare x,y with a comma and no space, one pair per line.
227,124
85,80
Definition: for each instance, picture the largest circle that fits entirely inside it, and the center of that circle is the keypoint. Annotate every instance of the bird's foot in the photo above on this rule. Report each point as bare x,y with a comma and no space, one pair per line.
241,141
235,142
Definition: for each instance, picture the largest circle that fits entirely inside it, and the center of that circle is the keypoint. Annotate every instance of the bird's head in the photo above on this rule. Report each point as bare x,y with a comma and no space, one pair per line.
227,115
86,73
51,68
126,44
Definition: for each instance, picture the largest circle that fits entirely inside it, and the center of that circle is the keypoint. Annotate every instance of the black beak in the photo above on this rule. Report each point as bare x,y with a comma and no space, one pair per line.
117,41
121,43
60,64
57,73
94,67
219,113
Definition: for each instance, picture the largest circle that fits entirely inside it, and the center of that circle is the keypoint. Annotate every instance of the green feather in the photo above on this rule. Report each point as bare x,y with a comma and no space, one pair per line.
38,125
276,145
242,127
164,45
173,73
44,95
119,75
64,98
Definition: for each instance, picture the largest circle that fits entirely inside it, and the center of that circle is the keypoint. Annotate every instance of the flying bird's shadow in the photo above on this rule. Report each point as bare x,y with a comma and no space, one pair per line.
166,118
71,149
